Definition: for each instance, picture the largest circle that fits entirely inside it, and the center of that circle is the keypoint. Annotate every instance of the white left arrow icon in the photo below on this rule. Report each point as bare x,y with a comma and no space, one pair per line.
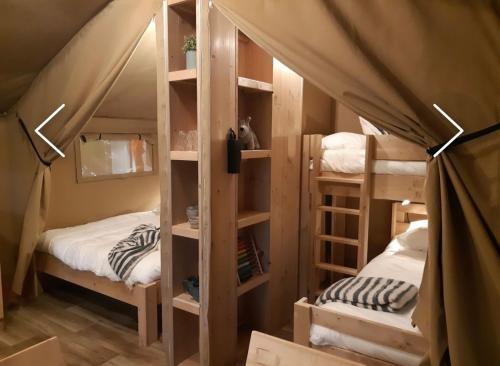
47,120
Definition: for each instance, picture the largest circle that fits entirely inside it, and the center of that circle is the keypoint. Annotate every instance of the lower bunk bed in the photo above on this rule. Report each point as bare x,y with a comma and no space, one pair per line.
358,332
79,255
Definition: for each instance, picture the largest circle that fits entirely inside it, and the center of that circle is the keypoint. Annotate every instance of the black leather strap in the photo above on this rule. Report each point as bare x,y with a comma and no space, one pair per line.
463,139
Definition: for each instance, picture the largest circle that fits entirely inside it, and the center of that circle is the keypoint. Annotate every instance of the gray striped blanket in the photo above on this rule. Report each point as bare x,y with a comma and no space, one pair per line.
376,293
125,255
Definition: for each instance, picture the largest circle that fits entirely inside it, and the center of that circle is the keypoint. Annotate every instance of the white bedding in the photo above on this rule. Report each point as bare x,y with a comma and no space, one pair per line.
86,247
395,262
345,152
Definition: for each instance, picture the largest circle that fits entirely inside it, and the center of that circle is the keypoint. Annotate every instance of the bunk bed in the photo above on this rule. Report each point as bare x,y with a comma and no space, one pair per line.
345,166
364,335
79,254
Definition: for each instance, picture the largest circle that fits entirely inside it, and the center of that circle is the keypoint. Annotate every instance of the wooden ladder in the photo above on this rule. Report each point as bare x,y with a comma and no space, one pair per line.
339,188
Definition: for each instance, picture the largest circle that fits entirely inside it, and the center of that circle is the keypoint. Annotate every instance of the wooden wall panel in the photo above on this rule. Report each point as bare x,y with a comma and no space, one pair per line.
223,304
285,194
318,108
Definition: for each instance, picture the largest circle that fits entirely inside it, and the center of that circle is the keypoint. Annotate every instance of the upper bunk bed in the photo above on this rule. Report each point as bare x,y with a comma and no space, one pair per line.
390,167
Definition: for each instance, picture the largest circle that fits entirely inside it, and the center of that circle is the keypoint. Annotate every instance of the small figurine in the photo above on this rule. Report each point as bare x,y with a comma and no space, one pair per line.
247,137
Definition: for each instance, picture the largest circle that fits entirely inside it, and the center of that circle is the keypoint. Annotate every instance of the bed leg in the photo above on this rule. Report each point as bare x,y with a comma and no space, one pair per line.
301,322
147,314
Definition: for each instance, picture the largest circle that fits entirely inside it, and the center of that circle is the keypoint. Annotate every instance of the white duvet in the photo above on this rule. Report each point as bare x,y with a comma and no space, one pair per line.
345,152
86,247
395,262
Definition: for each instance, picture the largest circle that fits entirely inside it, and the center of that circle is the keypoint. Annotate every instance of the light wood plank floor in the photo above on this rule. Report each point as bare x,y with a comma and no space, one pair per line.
90,332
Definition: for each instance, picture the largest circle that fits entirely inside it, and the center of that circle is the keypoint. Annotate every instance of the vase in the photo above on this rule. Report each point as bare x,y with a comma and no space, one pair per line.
191,60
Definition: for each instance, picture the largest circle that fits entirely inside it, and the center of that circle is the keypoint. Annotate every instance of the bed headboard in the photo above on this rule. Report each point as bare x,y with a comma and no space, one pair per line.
403,215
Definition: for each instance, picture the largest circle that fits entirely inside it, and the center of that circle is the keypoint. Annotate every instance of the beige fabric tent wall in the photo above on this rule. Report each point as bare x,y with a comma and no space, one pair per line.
389,61
80,75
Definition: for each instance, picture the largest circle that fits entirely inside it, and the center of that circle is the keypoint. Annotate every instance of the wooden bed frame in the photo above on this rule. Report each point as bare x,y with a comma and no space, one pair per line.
144,297
306,314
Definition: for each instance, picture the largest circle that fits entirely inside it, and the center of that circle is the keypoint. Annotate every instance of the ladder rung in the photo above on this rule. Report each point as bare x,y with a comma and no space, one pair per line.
337,239
339,180
337,268
341,210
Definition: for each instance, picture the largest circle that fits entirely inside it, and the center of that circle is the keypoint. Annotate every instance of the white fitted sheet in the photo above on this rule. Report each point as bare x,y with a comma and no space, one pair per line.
86,247
395,262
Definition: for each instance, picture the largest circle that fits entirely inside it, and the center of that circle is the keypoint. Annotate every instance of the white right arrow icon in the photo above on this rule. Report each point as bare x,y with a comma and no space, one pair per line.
47,120
460,130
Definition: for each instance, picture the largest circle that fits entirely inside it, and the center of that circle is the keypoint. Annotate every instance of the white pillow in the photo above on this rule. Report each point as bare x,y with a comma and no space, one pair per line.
343,140
369,129
415,238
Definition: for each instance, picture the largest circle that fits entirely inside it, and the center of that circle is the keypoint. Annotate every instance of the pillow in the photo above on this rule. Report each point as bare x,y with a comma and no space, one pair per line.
369,129
415,237
343,140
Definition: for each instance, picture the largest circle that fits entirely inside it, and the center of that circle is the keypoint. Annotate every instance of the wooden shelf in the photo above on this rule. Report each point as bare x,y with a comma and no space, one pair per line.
248,218
188,75
184,155
252,283
193,360
186,302
255,154
184,230
254,86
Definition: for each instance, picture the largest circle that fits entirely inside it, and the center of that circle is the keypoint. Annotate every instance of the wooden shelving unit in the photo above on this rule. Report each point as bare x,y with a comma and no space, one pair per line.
187,343
233,79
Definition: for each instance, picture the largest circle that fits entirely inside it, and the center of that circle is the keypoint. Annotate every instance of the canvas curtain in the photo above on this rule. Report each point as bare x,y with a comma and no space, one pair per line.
79,76
390,61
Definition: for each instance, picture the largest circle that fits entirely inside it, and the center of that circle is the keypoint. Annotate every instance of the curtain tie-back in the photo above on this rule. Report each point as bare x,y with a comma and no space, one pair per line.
462,139
42,160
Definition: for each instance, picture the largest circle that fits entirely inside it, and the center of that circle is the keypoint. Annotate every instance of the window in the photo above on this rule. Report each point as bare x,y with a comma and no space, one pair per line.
105,156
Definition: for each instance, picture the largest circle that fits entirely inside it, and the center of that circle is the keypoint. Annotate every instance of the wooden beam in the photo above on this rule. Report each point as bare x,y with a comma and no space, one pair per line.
163,119
223,298
204,117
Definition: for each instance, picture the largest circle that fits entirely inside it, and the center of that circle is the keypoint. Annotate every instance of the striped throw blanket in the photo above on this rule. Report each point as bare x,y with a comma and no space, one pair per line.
376,293
125,255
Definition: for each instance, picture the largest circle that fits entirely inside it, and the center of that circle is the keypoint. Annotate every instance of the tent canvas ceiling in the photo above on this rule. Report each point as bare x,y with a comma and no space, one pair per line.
31,33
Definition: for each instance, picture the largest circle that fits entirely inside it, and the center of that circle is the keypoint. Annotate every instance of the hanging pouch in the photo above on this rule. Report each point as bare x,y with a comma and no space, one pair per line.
233,153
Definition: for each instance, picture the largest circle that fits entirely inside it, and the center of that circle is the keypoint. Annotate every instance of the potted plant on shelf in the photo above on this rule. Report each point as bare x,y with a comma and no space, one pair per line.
189,48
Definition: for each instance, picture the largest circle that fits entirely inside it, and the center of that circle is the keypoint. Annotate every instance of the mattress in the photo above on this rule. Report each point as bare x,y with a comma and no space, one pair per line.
345,152
395,262
86,247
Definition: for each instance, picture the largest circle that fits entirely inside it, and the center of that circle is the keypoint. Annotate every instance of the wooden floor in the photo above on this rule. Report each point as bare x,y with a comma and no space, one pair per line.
92,329
90,332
